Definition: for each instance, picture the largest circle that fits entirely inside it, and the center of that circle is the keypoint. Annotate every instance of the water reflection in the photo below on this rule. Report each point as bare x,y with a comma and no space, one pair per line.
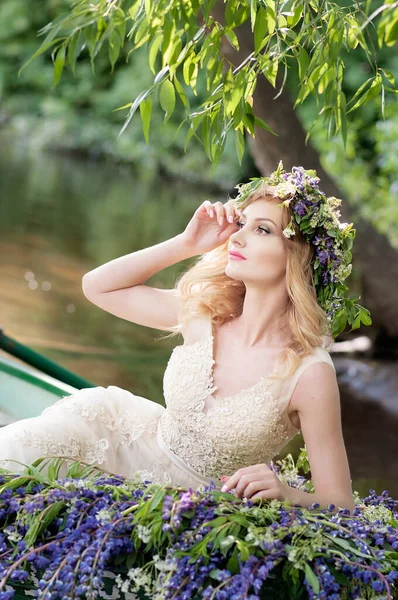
61,217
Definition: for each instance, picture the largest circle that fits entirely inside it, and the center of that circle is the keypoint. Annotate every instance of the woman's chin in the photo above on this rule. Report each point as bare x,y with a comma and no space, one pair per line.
232,272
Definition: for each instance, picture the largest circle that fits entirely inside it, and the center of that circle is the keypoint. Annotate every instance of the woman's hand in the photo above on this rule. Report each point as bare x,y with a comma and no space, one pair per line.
256,481
211,226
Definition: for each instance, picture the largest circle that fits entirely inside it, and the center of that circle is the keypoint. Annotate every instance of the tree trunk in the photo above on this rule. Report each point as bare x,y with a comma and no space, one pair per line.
372,252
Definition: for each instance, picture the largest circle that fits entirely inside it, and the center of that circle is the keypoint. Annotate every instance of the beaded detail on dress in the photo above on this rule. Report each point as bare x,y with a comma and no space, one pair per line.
237,431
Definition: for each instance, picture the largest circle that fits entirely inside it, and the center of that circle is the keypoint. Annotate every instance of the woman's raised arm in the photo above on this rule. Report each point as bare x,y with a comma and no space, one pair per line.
118,286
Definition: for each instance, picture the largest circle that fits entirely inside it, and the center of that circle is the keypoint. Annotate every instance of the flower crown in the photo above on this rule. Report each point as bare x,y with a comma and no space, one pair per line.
317,217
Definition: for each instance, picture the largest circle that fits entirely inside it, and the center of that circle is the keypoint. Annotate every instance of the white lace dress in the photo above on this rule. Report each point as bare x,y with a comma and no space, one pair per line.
197,438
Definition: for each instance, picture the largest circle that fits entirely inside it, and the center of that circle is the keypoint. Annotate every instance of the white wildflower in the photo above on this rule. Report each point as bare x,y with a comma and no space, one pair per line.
342,272
285,190
13,536
144,533
104,516
374,513
163,565
292,554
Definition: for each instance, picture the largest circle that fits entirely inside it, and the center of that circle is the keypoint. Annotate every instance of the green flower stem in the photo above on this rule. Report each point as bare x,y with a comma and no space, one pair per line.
131,509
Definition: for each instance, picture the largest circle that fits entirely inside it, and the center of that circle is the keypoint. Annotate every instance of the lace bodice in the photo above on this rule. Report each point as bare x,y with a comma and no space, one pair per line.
217,435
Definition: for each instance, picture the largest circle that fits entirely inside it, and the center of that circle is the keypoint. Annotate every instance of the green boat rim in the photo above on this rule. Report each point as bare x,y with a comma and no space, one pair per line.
34,377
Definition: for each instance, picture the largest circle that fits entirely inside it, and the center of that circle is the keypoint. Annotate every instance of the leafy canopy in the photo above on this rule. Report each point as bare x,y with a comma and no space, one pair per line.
184,39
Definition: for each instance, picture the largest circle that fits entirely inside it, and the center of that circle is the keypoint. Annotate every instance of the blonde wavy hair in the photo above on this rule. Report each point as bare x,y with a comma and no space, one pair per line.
205,289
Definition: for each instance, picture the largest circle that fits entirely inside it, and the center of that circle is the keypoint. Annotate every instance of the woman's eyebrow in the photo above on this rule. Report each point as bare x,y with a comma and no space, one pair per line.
261,219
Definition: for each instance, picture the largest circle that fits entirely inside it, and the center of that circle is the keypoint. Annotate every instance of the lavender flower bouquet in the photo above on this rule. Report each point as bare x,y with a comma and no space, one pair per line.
93,535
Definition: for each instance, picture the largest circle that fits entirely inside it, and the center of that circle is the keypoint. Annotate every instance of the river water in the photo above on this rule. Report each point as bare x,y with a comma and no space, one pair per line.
61,217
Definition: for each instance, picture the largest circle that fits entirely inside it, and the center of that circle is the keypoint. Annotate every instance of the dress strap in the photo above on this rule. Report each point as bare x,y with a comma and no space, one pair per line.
318,355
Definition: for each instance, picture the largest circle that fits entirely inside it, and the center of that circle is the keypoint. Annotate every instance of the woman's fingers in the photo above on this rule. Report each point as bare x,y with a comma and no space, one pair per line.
219,208
221,212
231,213
209,208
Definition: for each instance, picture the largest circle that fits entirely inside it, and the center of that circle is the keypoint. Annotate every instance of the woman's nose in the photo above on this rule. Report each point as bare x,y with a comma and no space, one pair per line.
237,237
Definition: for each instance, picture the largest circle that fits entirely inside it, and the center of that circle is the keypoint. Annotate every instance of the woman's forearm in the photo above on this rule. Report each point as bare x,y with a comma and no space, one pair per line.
137,267
305,499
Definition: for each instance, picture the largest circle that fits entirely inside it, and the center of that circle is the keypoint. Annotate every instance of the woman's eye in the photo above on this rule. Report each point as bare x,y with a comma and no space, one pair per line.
263,229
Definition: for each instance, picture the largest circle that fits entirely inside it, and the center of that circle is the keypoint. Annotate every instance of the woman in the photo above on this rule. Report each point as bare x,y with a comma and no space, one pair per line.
255,312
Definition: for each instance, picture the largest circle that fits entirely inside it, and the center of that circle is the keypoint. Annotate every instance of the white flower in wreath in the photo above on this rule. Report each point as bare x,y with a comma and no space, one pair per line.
288,231
342,226
285,189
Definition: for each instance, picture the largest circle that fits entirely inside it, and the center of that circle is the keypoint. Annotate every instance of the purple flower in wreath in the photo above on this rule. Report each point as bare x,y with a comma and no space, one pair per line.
318,239
323,256
325,277
300,208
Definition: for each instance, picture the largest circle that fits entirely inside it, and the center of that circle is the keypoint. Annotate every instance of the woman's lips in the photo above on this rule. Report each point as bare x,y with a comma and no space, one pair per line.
235,256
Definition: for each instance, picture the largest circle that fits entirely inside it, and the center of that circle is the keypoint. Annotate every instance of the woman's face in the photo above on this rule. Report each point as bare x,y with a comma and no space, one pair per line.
260,241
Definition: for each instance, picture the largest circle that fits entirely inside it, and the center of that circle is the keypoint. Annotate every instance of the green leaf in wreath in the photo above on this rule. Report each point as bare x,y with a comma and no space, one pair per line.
233,563
312,578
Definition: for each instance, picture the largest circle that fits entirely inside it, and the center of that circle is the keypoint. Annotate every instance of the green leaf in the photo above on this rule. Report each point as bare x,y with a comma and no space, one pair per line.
194,124
233,562
181,93
133,10
215,522
157,499
311,578
339,323
303,61
167,98
260,123
271,19
114,48
153,51
341,119
239,144
365,97
206,125
243,549
226,544
365,317
74,49
59,64
346,545
240,519
260,29
146,111
292,20
248,122
42,521
270,69
233,40
253,11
